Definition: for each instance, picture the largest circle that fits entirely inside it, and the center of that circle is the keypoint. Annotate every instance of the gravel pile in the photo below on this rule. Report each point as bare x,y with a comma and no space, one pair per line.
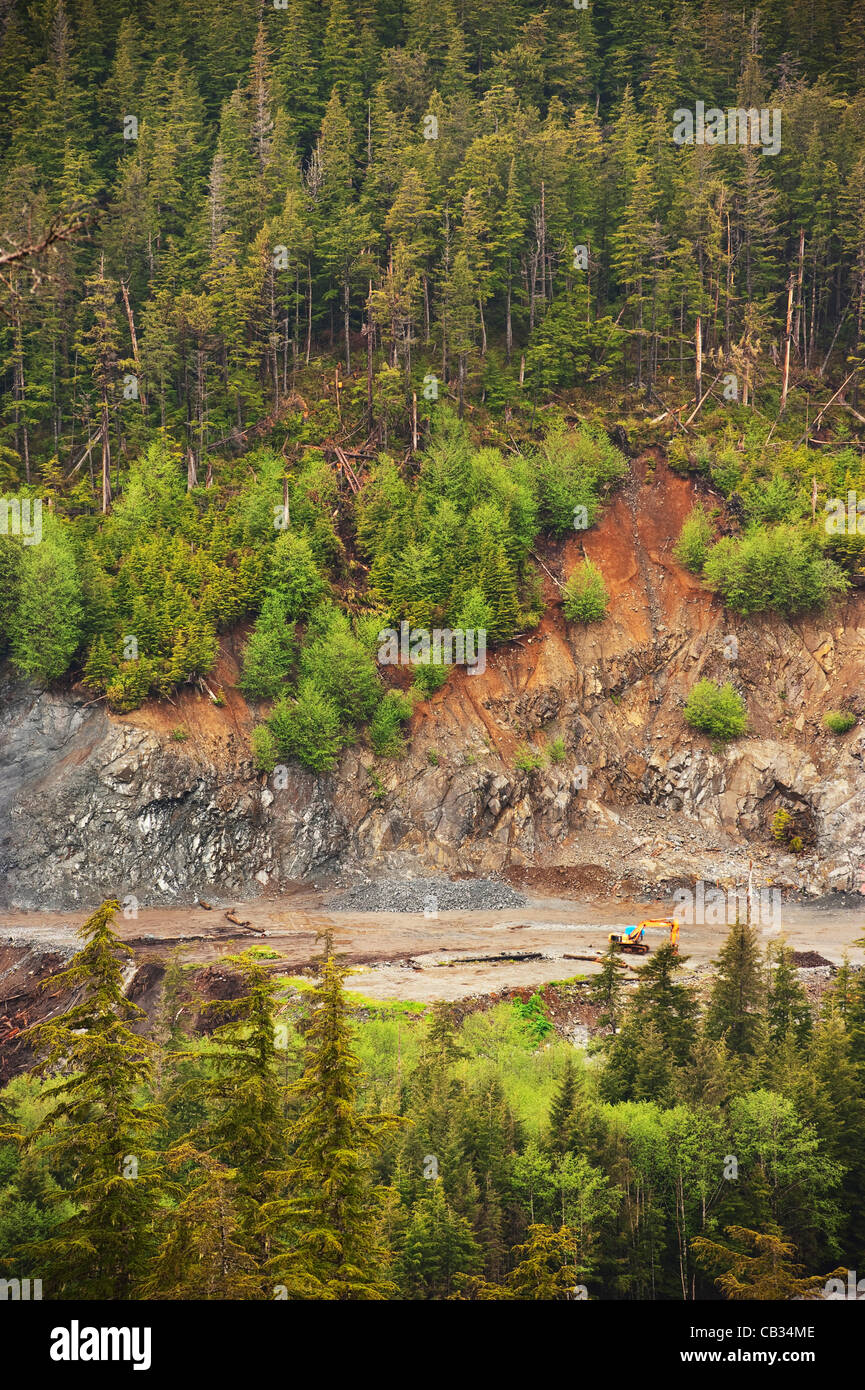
427,895
24,938
809,960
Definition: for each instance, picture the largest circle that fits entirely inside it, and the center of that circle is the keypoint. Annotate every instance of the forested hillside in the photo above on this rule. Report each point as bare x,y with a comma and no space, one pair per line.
245,245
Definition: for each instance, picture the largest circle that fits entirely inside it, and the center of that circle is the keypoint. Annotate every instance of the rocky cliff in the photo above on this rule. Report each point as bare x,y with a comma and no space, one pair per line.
92,804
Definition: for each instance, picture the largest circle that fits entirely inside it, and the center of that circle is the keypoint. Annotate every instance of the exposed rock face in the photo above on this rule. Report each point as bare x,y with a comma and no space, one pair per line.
93,805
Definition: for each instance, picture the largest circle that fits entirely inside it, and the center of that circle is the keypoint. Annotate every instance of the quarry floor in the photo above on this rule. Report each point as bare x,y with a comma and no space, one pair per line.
453,955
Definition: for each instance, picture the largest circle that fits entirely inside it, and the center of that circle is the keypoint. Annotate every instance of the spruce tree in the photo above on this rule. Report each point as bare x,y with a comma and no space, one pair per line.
200,1252
608,986
326,1221
562,1109
788,1008
45,626
308,728
98,1133
738,993
436,1245
270,651
11,563
244,1097
100,346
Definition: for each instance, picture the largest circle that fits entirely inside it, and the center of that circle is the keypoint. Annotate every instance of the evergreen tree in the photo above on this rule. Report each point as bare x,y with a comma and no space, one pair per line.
270,651
244,1129
738,992
436,1245
331,1248
294,576
11,564
308,728
200,1252
45,626
763,1269
99,346
548,1265
561,1110
608,986
99,1130
788,1009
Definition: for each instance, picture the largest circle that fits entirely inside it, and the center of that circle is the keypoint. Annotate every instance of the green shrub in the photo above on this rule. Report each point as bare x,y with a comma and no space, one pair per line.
527,759
432,757
782,569
430,677
557,751
533,1016
179,734
726,472
264,749
131,686
585,595
716,709
308,728
772,501
475,613
574,468
839,721
787,830
848,552
342,668
690,456
679,455
100,668
694,541
385,730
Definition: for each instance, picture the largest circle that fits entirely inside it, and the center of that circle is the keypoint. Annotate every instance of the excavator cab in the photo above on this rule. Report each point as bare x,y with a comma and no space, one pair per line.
630,939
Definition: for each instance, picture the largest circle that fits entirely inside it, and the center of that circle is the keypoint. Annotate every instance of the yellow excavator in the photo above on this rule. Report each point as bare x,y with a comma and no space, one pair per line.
630,939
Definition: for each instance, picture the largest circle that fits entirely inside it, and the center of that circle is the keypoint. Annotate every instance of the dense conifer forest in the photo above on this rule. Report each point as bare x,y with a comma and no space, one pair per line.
245,244
313,1145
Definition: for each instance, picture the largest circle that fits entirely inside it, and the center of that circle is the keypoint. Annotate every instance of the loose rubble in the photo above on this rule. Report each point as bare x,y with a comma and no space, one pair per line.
417,895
